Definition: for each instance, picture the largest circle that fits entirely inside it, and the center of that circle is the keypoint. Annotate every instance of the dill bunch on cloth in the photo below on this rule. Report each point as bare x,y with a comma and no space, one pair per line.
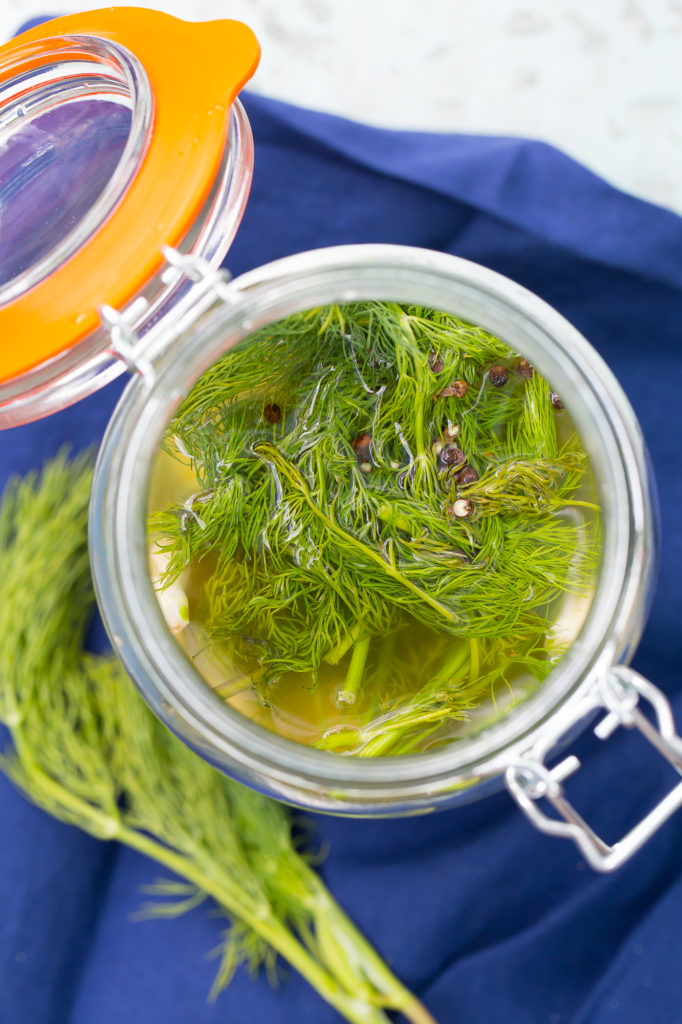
87,750
387,490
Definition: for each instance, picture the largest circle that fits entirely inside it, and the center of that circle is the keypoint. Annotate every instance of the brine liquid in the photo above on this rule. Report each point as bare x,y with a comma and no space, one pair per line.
319,713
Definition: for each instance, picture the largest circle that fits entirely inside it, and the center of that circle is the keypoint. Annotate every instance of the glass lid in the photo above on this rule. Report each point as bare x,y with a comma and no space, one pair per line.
72,136
119,135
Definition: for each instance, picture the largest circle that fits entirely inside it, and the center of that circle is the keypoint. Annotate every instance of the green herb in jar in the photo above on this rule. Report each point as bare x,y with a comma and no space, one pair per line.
371,525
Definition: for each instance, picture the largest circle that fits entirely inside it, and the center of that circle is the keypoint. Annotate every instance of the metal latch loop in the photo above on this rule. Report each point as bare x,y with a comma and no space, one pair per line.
135,343
124,340
198,270
529,780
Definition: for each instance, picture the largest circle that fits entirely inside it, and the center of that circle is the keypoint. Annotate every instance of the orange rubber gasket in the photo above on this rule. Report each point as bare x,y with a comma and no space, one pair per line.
195,70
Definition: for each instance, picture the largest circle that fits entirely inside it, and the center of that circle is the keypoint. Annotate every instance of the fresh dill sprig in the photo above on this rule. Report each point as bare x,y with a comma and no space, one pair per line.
369,468
86,749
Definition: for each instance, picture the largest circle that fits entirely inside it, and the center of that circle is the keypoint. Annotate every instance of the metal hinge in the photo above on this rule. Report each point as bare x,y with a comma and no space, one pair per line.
529,780
125,341
127,328
198,270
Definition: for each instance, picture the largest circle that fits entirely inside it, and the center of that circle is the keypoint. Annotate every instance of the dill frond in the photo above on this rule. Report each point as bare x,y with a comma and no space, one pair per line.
87,749
333,510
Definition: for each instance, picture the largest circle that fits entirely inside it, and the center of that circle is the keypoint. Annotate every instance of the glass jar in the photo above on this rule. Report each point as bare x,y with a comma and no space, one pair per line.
592,675
175,316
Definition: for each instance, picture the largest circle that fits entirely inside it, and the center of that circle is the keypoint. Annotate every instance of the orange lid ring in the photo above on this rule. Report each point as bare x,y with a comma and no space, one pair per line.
195,71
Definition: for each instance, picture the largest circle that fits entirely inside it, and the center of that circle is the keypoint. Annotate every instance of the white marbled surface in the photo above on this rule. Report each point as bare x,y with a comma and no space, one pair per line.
600,79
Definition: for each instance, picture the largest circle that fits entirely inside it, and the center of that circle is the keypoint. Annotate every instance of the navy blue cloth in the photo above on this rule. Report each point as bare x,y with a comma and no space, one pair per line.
489,922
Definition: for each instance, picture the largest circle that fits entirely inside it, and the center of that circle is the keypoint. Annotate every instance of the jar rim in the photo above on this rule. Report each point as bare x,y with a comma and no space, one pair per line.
170,684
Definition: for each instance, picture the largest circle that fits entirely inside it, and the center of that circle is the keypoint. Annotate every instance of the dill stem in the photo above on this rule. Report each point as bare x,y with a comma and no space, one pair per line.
338,739
103,825
389,731
474,657
580,504
416,1012
385,654
231,687
333,657
355,671
398,997
453,663
354,1008
318,702
421,741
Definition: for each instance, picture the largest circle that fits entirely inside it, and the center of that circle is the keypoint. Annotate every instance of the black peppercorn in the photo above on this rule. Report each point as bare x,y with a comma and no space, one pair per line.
457,389
362,447
452,456
435,362
272,413
405,478
467,476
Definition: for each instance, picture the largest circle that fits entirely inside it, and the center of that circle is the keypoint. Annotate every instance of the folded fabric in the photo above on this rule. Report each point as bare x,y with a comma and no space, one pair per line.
488,921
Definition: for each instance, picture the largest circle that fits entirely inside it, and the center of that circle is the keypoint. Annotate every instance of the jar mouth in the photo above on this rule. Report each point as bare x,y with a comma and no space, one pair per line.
166,678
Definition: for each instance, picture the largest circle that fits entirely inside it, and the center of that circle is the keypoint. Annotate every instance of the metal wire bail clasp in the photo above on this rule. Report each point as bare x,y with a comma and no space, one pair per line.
196,269
139,332
124,339
529,780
